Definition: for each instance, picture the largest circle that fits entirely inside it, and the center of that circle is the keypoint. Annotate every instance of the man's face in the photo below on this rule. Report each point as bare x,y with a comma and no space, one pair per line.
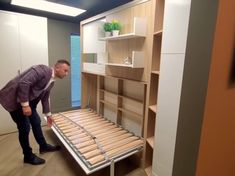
61,70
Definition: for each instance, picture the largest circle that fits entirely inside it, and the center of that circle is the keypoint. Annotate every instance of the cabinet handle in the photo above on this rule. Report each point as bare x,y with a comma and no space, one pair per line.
18,72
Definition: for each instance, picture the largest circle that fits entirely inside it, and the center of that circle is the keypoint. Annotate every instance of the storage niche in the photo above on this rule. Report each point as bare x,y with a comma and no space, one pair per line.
122,102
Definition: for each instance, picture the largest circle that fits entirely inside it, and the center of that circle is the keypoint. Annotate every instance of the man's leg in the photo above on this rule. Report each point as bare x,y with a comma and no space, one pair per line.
38,134
23,126
36,127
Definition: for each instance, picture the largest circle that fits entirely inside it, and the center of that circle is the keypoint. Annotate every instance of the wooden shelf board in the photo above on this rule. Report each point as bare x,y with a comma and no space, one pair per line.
115,77
157,33
130,112
122,36
108,103
155,72
123,65
93,73
153,108
106,91
120,65
150,140
132,99
148,170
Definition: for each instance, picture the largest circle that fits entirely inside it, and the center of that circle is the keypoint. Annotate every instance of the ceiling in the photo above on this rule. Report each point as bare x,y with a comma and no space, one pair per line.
92,7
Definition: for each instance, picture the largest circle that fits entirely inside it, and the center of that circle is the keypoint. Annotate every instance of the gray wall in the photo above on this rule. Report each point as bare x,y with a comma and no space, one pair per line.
59,48
194,86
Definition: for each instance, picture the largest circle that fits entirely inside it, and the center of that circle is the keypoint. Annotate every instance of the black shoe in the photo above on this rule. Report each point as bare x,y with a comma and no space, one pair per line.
34,160
49,148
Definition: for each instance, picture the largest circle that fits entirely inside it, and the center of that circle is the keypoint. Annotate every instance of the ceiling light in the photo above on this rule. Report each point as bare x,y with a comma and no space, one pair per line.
49,6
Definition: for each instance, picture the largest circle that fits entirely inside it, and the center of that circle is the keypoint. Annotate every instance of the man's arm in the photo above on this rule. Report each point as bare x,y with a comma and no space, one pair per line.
30,78
46,107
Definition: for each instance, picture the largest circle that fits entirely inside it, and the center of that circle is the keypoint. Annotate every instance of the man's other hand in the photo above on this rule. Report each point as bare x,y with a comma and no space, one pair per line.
50,121
27,110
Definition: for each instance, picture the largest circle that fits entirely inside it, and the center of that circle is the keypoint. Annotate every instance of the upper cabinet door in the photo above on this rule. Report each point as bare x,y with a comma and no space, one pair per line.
91,34
175,26
33,40
9,47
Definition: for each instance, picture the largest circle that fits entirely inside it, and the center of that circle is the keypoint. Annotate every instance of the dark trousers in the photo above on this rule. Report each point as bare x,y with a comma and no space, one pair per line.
23,124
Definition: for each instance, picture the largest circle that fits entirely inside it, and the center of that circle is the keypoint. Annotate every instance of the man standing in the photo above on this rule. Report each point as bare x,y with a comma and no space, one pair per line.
20,97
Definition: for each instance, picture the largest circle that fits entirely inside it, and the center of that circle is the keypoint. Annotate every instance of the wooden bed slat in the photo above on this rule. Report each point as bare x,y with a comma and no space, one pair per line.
96,139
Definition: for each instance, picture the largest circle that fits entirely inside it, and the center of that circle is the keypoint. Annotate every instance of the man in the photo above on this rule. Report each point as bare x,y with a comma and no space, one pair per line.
20,97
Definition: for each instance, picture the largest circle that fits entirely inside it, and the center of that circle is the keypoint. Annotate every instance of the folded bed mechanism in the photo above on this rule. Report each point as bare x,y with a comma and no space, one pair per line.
94,141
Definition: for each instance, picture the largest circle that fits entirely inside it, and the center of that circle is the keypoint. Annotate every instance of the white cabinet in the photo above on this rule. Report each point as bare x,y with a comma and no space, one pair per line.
91,34
23,43
33,43
175,26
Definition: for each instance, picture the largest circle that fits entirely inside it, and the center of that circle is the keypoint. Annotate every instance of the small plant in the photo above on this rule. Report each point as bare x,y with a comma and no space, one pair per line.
116,25
107,27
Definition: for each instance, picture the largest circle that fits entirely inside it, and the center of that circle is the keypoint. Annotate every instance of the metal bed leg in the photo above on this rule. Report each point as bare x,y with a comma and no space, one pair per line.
112,168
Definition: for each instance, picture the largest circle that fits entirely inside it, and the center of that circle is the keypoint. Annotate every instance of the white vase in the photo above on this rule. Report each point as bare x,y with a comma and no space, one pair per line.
115,32
107,33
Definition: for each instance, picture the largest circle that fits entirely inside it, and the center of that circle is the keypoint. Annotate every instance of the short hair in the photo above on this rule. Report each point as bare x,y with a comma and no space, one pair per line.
62,61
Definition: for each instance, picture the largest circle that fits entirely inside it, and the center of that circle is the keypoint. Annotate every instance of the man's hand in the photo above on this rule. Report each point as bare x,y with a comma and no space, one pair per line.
50,121
27,110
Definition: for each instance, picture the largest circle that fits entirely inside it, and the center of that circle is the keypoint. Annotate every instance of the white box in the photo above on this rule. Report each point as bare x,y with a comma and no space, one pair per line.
94,68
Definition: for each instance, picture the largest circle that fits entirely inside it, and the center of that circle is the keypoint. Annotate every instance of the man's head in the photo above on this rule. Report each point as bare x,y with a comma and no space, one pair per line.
61,68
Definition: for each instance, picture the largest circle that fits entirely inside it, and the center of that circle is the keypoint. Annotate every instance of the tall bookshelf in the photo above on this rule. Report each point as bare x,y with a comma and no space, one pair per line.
152,90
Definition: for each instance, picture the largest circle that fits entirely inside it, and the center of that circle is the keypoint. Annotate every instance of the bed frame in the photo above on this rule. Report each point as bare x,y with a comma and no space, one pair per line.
94,141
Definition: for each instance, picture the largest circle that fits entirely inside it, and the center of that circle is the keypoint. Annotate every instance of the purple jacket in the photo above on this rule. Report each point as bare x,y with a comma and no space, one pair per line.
26,87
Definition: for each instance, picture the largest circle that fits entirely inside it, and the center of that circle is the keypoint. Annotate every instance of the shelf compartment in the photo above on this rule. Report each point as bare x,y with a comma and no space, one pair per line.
106,91
151,124
130,98
109,104
131,113
139,30
148,159
155,72
137,61
153,108
153,89
156,53
150,141
148,171
158,33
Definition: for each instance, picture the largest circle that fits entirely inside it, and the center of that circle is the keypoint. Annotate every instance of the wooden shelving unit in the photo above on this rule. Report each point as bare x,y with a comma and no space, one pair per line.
127,93
152,92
